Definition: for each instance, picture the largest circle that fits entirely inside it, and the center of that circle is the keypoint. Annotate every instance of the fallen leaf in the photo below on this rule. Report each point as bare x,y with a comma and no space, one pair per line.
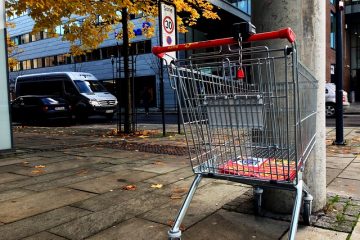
37,171
159,163
177,193
82,172
171,223
40,166
175,196
157,186
129,187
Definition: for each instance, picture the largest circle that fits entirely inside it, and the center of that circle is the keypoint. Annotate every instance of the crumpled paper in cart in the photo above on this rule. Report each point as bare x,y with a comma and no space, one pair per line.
263,168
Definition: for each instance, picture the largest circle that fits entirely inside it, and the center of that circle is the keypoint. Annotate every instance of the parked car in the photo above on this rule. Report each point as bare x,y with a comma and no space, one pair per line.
330,100
40,108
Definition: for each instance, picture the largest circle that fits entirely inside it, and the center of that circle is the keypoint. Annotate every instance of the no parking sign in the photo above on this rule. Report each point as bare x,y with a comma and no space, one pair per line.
167,25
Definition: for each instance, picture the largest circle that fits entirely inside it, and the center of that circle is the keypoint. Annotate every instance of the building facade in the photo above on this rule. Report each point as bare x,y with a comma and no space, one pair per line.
352,19
39,53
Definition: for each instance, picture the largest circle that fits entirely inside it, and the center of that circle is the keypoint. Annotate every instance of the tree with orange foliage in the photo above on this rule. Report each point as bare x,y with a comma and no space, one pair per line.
98,17
87,23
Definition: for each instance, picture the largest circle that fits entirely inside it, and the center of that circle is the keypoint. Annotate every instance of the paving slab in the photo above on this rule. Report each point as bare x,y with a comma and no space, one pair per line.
135,228
38,179
44,236
10,161
23,207
336,162
233,226
351,172
81,175
112,181
206,200
331,174
345,187
14,168
311,233
114,197
41,222
160,168
94,223
10,177
58,166
172,176
14,193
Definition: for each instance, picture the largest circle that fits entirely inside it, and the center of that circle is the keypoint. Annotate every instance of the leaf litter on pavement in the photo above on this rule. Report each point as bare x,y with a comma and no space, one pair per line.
129,187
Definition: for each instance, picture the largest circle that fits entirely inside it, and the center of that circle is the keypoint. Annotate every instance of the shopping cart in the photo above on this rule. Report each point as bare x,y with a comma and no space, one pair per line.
249,115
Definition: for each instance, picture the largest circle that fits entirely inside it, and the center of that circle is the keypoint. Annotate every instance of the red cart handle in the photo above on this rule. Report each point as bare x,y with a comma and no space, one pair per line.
286,33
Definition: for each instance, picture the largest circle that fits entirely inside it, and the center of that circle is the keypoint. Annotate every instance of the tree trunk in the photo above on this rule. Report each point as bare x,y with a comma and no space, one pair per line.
128,102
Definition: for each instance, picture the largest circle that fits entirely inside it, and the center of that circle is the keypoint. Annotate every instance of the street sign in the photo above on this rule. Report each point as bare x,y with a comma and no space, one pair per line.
5,126
167,22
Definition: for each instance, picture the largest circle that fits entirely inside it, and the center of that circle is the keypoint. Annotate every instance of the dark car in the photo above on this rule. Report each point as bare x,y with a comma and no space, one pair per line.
40,108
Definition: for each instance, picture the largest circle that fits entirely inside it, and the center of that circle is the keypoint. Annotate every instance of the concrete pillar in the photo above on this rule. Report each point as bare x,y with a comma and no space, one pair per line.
308,20
5,125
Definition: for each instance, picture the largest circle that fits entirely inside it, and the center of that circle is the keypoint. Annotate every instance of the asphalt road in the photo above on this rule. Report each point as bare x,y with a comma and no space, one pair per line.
350,120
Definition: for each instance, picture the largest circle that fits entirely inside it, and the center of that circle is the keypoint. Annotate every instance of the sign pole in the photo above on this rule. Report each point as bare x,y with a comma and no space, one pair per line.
5,123
161,74
167,37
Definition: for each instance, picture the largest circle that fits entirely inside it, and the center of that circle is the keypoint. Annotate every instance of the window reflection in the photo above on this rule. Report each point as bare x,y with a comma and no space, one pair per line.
243,5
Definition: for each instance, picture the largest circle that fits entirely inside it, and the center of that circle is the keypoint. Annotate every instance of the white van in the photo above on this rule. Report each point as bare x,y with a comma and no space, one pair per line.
86,95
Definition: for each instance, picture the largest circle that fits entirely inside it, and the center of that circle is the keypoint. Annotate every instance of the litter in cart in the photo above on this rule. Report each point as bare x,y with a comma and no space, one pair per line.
249,115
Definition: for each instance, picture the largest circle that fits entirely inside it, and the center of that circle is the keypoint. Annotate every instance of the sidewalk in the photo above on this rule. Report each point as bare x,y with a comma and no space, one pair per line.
84,183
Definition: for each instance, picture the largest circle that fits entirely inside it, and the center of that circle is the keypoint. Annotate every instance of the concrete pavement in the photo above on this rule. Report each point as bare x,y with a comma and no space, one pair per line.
84,183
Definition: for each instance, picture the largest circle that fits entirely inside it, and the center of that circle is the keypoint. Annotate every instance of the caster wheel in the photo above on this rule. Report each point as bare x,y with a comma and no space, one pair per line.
258,199
306,215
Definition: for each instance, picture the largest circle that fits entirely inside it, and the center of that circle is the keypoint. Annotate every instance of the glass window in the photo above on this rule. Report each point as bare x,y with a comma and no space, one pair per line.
61,59
69,88
108,51
94,55
50,61
16,40
25,38
59,30
89,87
79,59
45,34
332,30
243,5
36,37
26,64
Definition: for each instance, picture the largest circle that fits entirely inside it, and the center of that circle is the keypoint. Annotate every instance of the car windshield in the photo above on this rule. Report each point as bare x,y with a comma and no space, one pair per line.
89,87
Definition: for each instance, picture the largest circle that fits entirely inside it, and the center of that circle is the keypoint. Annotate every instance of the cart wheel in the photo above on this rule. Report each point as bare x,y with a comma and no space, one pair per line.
258,198
307,213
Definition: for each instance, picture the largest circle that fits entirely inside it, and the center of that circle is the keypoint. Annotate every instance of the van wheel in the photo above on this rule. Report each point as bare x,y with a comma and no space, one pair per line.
330,110
109,116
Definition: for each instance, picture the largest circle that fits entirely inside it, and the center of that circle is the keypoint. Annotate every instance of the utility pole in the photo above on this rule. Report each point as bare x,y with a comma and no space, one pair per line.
5,126
311,43
339,74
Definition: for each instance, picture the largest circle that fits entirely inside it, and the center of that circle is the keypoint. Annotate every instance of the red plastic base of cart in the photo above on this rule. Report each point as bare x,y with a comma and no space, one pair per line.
267,169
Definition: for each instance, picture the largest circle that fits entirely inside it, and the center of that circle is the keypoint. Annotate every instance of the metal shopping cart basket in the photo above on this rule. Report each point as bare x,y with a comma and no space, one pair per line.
249,115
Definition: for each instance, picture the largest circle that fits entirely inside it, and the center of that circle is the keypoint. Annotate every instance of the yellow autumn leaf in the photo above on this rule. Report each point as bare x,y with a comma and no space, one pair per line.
40,166
157,186
103,18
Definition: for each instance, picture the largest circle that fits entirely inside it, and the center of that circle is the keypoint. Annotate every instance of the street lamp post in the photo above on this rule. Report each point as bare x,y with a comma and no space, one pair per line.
113,74
339,73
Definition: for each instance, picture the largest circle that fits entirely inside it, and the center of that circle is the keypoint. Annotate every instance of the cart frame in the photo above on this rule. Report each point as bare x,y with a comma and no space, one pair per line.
213,100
